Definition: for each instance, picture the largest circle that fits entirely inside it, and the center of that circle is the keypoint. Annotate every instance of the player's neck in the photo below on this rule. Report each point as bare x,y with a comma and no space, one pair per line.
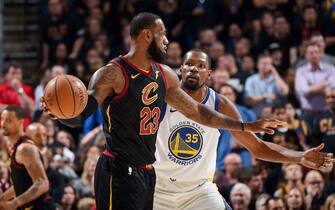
13,138
138,57
198,94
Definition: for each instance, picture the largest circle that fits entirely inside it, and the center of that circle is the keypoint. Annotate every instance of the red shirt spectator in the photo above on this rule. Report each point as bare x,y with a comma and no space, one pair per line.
14,92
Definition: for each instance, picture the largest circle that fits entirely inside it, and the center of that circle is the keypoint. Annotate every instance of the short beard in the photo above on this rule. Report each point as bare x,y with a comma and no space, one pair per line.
194,87
155,53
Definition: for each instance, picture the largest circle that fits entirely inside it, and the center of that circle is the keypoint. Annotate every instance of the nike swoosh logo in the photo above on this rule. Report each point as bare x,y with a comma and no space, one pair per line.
173,110
134,76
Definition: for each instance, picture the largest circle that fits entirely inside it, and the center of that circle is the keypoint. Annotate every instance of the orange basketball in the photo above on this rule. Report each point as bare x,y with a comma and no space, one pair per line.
65,96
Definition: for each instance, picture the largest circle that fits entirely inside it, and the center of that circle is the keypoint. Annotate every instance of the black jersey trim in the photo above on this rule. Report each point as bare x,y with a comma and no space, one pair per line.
163,75
126,85
135,67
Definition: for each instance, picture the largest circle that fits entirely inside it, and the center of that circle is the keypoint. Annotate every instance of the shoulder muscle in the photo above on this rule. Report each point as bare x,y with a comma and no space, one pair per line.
106,81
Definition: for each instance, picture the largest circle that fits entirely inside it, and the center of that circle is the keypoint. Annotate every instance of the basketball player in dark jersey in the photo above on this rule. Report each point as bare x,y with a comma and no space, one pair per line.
132,90
28,178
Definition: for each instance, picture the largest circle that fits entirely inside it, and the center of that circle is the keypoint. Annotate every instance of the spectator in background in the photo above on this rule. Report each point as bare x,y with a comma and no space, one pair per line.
86,204
67,140
290,80
86,40
310,24
316,190
60,57
296,124
220,76
324,128
285,38
216,50
294,136
101,44
261,201
169,12
311,81
93,62
256,36
240,196
293,178
234,34
82,185
50,128
326,58
277,57
206,38
55,28
264,87
70,198
198,15
242,48
38,133
255,182
275,203
247,68
14,92
330,203
295,199
267,24
232,164
174,56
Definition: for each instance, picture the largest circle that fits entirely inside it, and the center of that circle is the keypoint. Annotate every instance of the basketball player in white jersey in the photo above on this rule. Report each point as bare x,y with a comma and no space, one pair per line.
186,150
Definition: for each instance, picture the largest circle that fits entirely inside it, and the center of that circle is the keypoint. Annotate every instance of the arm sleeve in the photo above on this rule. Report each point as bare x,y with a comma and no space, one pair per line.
91,107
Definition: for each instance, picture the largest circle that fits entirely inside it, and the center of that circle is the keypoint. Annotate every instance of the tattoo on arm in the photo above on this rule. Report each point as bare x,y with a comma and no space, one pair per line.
215,119
29,156
200,113
106,81
181,101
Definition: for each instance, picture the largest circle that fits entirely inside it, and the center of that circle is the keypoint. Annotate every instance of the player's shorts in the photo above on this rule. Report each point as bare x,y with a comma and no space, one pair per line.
120,185
199,195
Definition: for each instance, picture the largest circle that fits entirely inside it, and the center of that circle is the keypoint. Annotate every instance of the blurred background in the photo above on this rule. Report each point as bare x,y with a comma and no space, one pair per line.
273,58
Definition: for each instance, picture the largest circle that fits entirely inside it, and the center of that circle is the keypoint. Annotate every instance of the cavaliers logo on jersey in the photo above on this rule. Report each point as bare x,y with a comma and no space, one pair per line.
148,93
185,142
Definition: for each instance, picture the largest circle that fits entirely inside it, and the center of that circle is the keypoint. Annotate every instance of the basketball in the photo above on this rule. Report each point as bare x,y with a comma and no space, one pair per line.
65,96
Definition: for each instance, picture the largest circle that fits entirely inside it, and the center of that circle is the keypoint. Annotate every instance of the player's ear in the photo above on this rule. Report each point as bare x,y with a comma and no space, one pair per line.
147,35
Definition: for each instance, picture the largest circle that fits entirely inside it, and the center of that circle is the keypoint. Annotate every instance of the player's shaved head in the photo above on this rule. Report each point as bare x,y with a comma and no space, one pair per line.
37,132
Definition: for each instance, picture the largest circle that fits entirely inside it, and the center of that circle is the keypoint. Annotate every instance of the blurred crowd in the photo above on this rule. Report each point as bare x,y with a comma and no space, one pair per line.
273,58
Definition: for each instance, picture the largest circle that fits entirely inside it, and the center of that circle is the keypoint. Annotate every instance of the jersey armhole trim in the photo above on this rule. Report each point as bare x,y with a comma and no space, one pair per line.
216,101
126,85
163,75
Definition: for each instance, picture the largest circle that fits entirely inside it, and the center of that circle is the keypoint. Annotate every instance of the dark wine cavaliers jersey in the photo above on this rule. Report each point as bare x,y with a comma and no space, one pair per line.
131,118
22,181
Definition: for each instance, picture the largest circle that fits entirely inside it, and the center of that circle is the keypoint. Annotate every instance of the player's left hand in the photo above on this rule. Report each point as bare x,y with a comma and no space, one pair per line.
8,205
264,125
315,159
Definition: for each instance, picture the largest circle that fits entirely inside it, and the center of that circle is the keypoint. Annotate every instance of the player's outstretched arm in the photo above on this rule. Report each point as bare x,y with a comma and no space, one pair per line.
106,81
198,112
311,158
28,155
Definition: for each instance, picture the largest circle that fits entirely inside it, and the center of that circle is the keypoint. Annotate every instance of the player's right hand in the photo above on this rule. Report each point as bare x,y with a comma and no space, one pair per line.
45,108
264,125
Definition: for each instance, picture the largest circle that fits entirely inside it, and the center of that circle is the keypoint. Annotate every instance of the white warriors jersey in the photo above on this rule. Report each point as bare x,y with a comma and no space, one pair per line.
185,149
